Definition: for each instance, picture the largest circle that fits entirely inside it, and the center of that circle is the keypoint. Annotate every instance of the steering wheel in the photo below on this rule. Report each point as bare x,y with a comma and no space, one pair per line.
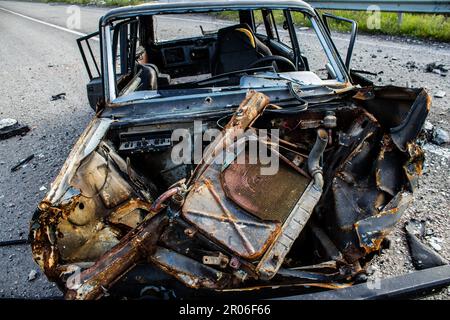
281,59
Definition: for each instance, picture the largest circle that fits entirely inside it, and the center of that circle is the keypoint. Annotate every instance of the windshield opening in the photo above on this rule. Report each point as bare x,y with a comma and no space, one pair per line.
217,49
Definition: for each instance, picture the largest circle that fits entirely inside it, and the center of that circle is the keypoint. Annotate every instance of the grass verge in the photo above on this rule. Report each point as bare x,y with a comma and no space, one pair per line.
424,26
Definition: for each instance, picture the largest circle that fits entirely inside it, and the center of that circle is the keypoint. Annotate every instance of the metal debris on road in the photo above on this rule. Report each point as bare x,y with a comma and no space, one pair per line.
16,242
32,275
439,94
59,96
422,257
440,136
437,136
7,123
411,65
439,69
22,163
11,127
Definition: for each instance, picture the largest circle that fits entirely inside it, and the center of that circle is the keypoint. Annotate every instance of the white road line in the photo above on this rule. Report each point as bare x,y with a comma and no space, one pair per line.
81,34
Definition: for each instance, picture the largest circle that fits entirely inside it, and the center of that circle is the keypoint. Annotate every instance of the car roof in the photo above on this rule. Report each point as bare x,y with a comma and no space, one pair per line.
192,6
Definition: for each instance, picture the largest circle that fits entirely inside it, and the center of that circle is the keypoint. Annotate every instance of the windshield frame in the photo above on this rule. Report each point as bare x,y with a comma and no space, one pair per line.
115,15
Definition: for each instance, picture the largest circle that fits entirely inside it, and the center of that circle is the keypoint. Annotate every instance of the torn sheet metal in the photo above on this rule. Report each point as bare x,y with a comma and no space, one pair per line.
372,230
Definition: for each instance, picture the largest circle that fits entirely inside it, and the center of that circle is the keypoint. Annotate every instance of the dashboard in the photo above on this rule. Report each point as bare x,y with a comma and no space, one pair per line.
184,58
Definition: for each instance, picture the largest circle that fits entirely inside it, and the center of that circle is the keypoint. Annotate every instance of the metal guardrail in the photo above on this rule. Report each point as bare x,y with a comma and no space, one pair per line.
418,6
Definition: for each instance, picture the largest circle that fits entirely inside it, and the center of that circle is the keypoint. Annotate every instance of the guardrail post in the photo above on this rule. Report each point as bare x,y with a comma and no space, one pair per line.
399,18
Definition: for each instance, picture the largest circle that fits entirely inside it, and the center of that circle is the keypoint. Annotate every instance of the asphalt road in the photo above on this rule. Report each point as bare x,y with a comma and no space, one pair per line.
39,58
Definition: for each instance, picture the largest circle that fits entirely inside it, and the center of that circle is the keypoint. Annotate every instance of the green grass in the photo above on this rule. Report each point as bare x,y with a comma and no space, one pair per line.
423,26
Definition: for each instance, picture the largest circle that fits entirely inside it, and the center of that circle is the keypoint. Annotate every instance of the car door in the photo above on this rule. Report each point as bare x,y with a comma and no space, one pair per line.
91,58
332,22
125,39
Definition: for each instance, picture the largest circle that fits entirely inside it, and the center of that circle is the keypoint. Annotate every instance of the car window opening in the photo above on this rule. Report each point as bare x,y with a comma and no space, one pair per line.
148,55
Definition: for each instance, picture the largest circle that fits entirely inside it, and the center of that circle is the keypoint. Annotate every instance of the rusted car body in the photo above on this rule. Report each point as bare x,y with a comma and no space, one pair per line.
123,219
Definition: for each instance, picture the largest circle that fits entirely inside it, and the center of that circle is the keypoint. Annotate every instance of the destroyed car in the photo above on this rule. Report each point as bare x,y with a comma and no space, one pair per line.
233,152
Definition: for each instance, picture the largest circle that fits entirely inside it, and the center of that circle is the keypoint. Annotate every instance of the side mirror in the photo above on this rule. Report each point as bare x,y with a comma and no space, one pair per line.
94,91
354,30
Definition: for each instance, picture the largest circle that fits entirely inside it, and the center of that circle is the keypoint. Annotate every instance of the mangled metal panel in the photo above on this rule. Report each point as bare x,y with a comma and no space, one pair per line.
347,172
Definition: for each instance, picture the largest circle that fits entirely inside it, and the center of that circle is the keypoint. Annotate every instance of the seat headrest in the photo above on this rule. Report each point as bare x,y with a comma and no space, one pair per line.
241,31
249,35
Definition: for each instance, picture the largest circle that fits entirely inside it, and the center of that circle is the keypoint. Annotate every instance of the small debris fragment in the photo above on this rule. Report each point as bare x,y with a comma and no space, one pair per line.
439,94
42,188
5,123
440,137
437,136
416,227
11,127
428,127
437,71
32,275
436,68
422,257
22,163
434,244
411,65
428,131
59,96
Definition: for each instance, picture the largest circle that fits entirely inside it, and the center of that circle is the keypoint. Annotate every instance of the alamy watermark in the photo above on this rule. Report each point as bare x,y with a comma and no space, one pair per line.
227,146
374,18
73,21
